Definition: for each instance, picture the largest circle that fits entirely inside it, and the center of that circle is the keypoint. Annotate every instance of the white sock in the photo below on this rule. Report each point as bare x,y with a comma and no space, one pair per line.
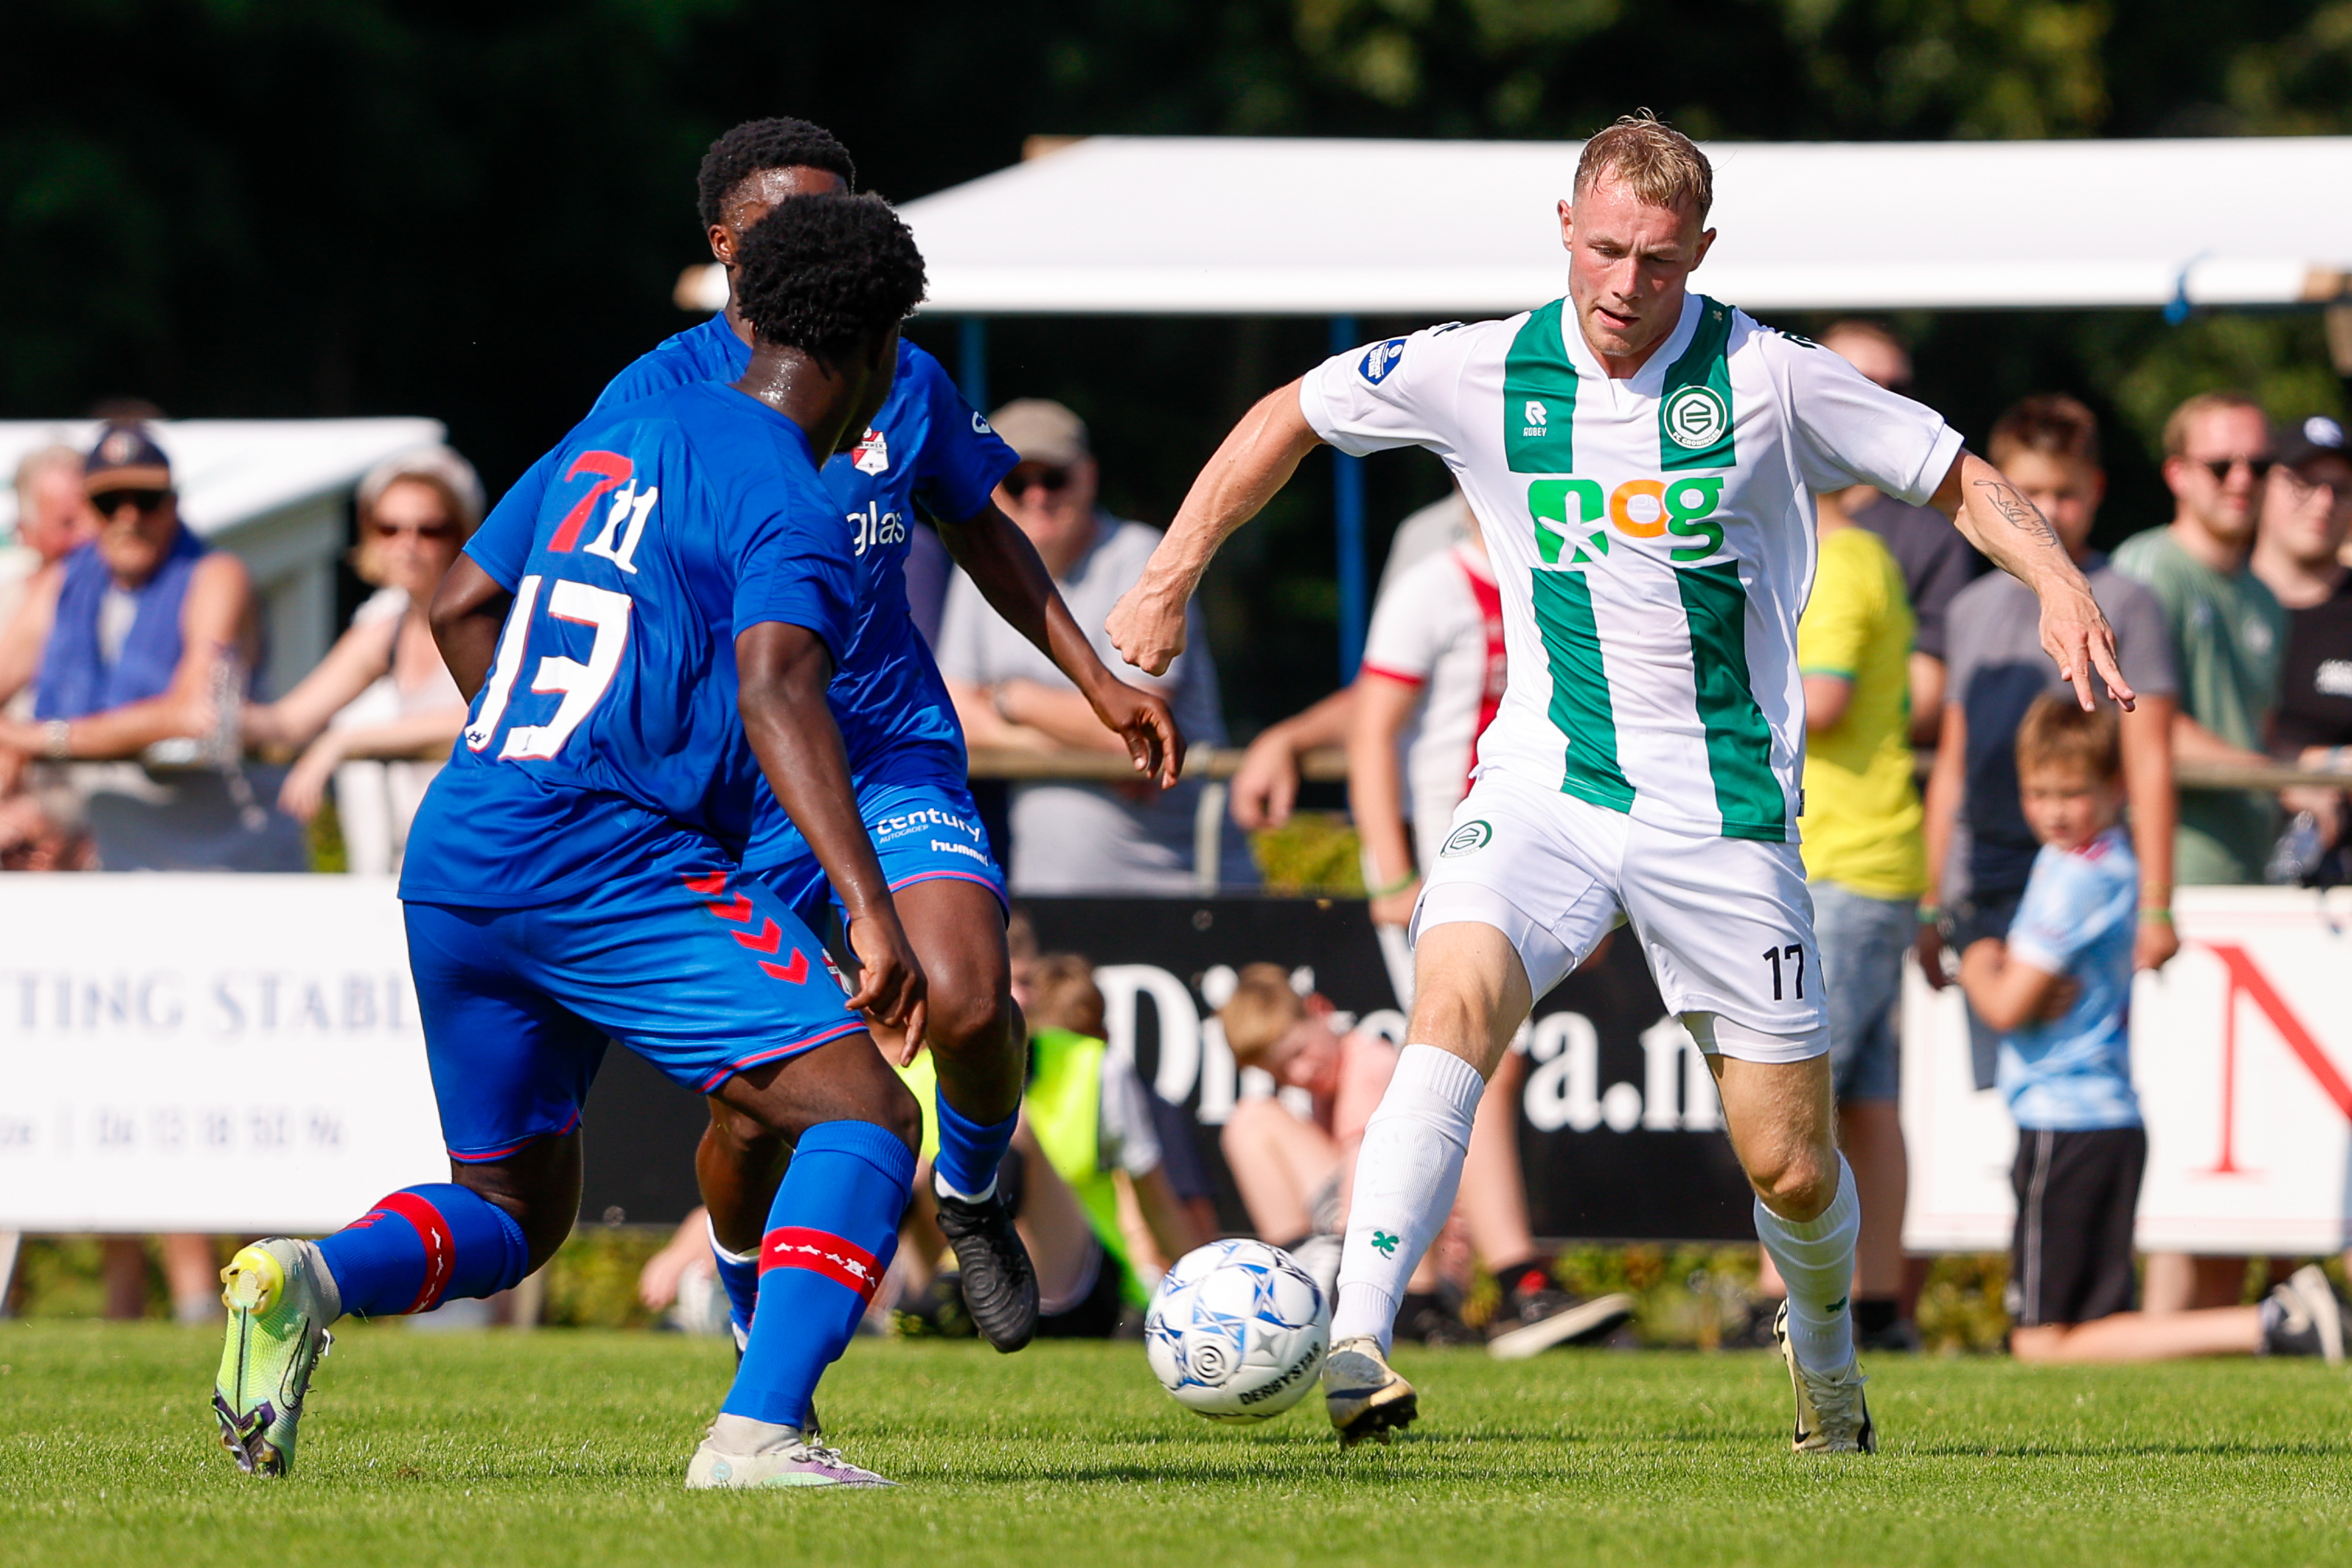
739,1259
331,1295
939,1185
1816,1260
1406,1172
1319,1255
743,1436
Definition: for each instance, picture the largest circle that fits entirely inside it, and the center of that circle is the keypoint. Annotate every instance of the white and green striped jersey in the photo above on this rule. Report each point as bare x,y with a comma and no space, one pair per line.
1652,537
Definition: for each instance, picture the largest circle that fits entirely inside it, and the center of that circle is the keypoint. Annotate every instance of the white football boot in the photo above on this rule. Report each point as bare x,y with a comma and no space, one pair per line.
1363,1395
743,1454
1832,1416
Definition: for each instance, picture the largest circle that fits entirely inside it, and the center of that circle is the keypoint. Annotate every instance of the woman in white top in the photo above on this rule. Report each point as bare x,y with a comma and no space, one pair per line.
381,710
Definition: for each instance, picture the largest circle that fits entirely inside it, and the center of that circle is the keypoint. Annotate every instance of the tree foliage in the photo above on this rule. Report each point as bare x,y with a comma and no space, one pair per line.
290,207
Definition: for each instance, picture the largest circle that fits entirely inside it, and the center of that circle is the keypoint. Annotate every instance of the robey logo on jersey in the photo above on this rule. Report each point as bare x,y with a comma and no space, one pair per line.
1680,507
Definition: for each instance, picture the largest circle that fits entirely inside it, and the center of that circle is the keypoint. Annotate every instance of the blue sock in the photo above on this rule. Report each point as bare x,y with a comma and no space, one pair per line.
969,1152
422,1245
831,1234
739,1275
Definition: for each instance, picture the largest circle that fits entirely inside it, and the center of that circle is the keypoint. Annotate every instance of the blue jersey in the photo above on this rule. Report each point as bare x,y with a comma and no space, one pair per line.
609,718
926,447
2078,918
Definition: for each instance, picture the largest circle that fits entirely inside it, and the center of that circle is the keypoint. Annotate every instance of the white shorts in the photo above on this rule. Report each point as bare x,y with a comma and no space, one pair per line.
1726,923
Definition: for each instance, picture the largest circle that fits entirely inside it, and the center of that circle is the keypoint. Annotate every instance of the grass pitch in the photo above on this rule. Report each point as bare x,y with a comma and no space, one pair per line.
568,1447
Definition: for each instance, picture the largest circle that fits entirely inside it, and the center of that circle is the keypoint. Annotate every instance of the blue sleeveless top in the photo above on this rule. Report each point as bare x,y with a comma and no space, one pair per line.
74,680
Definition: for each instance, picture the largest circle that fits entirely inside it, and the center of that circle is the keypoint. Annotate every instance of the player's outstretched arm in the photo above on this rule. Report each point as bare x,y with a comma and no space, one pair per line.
1256,459
1006,567
2013,534
782,671
468,609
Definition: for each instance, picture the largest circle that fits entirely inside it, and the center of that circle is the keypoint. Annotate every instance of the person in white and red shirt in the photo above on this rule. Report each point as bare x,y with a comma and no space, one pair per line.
1430,683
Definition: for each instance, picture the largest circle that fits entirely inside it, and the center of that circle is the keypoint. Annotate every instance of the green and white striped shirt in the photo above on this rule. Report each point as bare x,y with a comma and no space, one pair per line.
1653,538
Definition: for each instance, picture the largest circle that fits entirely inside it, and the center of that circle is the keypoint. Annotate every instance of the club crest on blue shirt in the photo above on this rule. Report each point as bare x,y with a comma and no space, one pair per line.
1381,359
872,453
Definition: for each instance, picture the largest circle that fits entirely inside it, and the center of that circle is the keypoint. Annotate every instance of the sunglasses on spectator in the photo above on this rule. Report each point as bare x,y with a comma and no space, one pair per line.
2220,466
1053,481
436,532
109,502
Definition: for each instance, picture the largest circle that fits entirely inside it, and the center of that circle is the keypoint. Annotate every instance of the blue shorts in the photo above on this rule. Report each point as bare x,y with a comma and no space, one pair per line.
922,832
680,958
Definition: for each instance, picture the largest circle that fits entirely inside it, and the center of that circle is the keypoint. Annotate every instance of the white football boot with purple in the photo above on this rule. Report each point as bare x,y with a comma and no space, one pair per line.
742,1453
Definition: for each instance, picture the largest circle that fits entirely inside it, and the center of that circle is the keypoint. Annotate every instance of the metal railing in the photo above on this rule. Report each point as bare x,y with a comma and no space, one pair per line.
1329,764
1211,764
1325,765
2229,775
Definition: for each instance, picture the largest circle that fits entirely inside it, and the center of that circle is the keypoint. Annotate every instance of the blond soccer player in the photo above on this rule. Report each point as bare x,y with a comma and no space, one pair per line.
1643,458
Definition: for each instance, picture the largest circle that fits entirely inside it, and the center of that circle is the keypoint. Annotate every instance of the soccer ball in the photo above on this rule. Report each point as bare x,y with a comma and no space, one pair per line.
1237,1330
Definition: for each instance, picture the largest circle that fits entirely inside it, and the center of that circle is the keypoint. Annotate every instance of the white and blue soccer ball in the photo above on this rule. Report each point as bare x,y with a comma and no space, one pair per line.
1237,1330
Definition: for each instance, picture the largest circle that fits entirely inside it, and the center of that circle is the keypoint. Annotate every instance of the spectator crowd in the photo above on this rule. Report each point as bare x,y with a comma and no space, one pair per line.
1953,810
2233,624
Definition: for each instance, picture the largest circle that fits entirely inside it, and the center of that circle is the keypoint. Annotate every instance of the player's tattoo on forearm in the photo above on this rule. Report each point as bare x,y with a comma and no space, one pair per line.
2022,514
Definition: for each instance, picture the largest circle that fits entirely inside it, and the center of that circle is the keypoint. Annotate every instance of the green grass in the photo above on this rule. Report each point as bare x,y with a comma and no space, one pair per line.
568,1446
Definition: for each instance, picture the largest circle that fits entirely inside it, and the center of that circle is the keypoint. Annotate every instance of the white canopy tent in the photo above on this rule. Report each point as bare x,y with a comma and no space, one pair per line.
271,489
1128,224
1236,225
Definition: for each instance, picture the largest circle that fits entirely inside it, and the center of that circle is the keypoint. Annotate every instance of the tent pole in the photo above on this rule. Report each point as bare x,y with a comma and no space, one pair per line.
972,362
1348,507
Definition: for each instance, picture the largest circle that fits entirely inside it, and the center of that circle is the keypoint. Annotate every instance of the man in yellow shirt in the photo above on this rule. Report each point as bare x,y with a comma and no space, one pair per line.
1866,864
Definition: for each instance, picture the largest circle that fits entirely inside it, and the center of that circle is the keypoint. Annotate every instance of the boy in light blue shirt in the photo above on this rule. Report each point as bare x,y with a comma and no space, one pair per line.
2058,992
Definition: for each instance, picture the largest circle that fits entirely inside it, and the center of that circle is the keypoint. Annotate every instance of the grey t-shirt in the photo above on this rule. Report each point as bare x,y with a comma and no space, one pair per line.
1997,668
1096,838
1935,559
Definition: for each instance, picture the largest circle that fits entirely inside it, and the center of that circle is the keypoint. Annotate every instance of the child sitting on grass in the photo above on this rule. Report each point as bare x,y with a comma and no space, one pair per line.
2058,993
1086,1173
1293,1174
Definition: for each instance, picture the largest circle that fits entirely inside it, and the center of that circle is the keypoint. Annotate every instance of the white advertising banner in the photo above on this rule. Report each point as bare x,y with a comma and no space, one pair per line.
208,1053
2242,1053
242,1054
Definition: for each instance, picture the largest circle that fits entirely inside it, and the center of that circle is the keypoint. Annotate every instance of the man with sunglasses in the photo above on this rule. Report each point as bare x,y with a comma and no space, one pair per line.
2228,632
1067,837
140,620
926,448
